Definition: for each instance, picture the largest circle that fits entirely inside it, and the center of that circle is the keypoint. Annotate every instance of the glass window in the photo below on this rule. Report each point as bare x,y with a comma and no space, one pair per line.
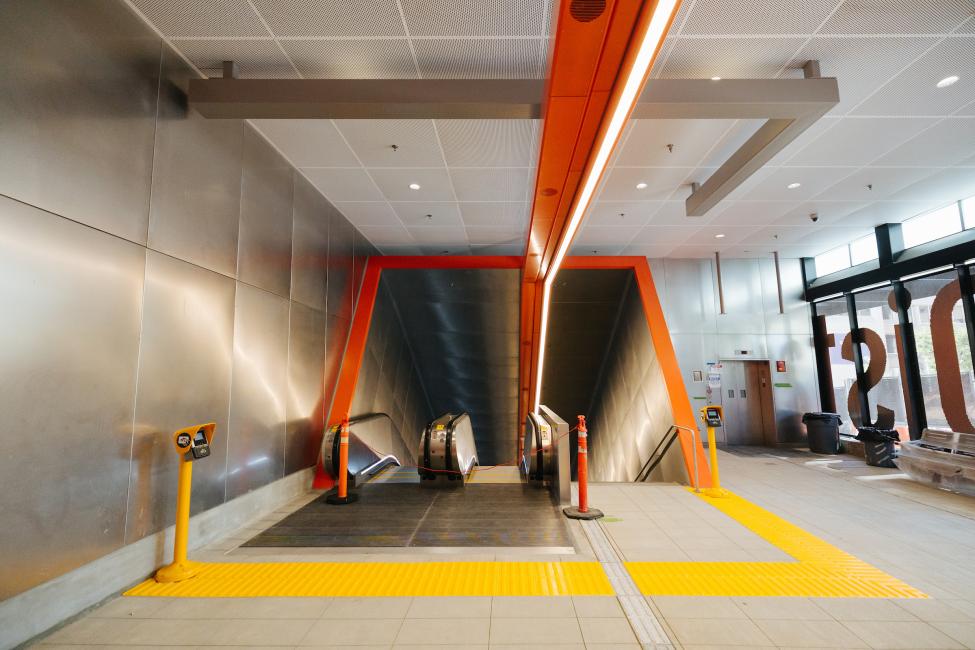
843,371
864,249
833,260
968,209
875,315
931,225
927,333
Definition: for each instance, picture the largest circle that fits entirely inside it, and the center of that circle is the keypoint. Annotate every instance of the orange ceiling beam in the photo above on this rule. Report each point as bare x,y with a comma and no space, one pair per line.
590,63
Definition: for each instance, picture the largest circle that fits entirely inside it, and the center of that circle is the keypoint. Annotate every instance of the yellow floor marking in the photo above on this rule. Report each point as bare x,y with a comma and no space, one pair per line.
821,569
293,579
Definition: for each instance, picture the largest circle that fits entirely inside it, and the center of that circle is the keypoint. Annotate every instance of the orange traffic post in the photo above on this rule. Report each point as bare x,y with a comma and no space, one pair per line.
583,511
341,495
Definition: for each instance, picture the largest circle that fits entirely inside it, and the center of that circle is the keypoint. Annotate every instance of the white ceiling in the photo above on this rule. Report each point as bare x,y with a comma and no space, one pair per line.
893,130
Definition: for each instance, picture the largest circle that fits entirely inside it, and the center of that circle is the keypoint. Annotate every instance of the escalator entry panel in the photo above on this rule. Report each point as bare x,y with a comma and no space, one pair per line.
363,459
447,451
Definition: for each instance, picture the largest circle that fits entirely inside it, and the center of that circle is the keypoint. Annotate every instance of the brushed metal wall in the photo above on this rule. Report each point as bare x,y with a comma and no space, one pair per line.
389,379
630,410
688,293
129,313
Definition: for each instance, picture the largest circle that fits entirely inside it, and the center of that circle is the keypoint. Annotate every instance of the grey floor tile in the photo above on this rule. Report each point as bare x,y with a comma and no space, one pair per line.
533,631
864,609
454,632
769,608
962,632
698,607
898,634
809,634
353,632
597,607
735,632
450,607
357,608
606,630
532,607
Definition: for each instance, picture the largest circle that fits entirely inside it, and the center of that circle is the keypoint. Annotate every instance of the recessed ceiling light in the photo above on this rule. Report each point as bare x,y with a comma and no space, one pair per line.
641,186
793,186
720,235
715,78
414,186
947,81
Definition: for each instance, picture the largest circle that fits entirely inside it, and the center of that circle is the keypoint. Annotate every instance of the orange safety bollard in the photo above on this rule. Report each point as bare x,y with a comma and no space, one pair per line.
341,495
583,511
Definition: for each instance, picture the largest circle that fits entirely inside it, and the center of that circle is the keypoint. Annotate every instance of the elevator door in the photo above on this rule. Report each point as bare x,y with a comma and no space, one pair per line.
747,399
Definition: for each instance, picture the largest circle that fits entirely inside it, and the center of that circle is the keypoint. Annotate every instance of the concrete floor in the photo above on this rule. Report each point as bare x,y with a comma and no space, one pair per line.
877,515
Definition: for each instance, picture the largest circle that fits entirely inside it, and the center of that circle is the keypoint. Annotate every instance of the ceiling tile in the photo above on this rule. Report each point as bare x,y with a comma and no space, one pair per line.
880,212
884,181
860,65
395,184
254,59
762,17
751,213
369,213
436,235
605,236
514,248
813,180
346,19
914,91
621,182
693,252
645,250
495,214
621,213
828,213
373,140
308,143
496,236
490,184
203,18
674,213
940,188
648,140
730,142
732,234
452,58
344,184
352,59
948,142
489,143
897,17
855,142
382,236
442,214
477,18
661,235
731,58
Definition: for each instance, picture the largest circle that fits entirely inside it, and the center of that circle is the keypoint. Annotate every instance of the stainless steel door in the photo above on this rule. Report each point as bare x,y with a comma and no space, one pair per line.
746,393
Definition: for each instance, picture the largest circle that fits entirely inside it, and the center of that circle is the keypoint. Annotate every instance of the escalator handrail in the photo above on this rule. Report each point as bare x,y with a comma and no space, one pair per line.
651,464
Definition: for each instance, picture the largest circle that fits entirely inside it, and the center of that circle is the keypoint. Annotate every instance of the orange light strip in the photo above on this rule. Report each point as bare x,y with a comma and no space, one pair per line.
648,35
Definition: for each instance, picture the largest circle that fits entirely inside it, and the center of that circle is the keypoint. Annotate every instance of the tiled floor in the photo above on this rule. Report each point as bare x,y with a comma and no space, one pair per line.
874,514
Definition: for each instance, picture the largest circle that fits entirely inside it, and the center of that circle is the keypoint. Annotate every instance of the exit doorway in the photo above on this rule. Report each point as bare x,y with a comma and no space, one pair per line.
746,396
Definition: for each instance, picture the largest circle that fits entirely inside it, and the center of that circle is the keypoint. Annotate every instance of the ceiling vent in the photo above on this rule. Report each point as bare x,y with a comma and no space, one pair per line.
586,11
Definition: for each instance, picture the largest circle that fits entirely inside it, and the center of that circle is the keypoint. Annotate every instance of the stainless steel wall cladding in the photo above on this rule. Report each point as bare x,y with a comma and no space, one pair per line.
255,454
631,406
389,380
78,111
463,329
266,195
195,208
124,316
184,379
752,322
72,304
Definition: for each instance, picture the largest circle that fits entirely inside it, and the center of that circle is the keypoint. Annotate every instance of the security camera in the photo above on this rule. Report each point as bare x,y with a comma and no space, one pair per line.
814,217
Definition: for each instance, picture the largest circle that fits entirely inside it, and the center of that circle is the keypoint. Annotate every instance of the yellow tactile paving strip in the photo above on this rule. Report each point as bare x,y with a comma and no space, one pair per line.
821,569
307,579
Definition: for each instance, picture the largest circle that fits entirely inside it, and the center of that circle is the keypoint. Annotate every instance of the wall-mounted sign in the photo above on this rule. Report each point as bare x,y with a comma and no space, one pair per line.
780,365
698,375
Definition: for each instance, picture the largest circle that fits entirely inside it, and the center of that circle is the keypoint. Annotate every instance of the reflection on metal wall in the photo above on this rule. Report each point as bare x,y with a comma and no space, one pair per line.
389,380
752,322
463,328
109,346
631,406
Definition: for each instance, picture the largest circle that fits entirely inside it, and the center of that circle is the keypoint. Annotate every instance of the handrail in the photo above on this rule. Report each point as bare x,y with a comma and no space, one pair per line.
669,438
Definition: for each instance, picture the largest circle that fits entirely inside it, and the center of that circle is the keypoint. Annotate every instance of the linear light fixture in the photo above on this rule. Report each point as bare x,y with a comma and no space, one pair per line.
654,31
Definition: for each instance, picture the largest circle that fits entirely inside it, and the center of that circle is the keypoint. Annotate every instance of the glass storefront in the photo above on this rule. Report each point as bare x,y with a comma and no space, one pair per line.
843,371
886,396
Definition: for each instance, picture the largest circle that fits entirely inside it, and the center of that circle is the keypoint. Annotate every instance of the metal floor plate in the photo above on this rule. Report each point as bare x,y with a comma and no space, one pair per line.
403,515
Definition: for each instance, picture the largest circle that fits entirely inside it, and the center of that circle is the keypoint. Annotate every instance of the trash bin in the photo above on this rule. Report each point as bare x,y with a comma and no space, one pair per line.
823,430
878,445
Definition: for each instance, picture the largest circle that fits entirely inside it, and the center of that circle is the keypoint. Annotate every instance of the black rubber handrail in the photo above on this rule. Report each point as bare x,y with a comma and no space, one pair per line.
666,442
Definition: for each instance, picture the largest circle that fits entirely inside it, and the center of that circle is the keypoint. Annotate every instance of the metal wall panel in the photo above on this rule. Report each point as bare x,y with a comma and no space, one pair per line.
690,303
78,108
184,379
312,215
363,251
797,318
195,207
71,298
255,454
794,391
266,197
742,285
336,336
341,251
306,368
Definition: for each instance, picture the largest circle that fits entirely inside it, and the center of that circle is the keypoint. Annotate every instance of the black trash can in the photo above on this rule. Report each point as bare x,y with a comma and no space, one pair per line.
878,445
823,430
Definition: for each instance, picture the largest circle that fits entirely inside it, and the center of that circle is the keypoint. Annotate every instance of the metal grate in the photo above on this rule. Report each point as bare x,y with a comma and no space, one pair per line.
453,18
203,18
345,19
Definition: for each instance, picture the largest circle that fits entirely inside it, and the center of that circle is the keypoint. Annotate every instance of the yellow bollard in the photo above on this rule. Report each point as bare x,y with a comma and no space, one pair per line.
191,444
713,416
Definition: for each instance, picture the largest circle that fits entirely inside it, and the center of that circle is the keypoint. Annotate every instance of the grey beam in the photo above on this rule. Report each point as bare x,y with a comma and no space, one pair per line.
230,98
